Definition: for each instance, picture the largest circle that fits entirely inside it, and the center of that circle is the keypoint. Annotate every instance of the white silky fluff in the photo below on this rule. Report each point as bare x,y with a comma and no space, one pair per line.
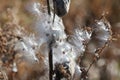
62,50
44,28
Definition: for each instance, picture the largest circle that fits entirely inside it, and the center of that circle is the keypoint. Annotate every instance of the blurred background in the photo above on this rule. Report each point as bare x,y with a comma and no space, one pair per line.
83,13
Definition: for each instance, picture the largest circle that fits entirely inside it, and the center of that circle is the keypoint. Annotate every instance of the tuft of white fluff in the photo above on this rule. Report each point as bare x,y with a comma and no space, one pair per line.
100,35
78,39
26,46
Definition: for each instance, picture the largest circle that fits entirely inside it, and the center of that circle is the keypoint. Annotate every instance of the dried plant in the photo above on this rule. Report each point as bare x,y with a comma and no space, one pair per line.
49,53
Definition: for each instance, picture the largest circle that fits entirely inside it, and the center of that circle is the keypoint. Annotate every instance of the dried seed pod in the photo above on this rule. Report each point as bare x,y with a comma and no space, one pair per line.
61,7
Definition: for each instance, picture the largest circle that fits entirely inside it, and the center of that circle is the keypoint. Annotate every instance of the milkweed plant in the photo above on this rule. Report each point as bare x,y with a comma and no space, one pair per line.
49,53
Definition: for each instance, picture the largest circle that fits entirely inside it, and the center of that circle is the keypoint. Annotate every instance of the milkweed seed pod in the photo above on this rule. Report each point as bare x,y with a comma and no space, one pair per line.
61,7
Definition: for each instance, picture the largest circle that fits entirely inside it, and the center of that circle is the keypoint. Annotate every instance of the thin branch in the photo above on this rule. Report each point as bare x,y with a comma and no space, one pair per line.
48,6
97,57
50,61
